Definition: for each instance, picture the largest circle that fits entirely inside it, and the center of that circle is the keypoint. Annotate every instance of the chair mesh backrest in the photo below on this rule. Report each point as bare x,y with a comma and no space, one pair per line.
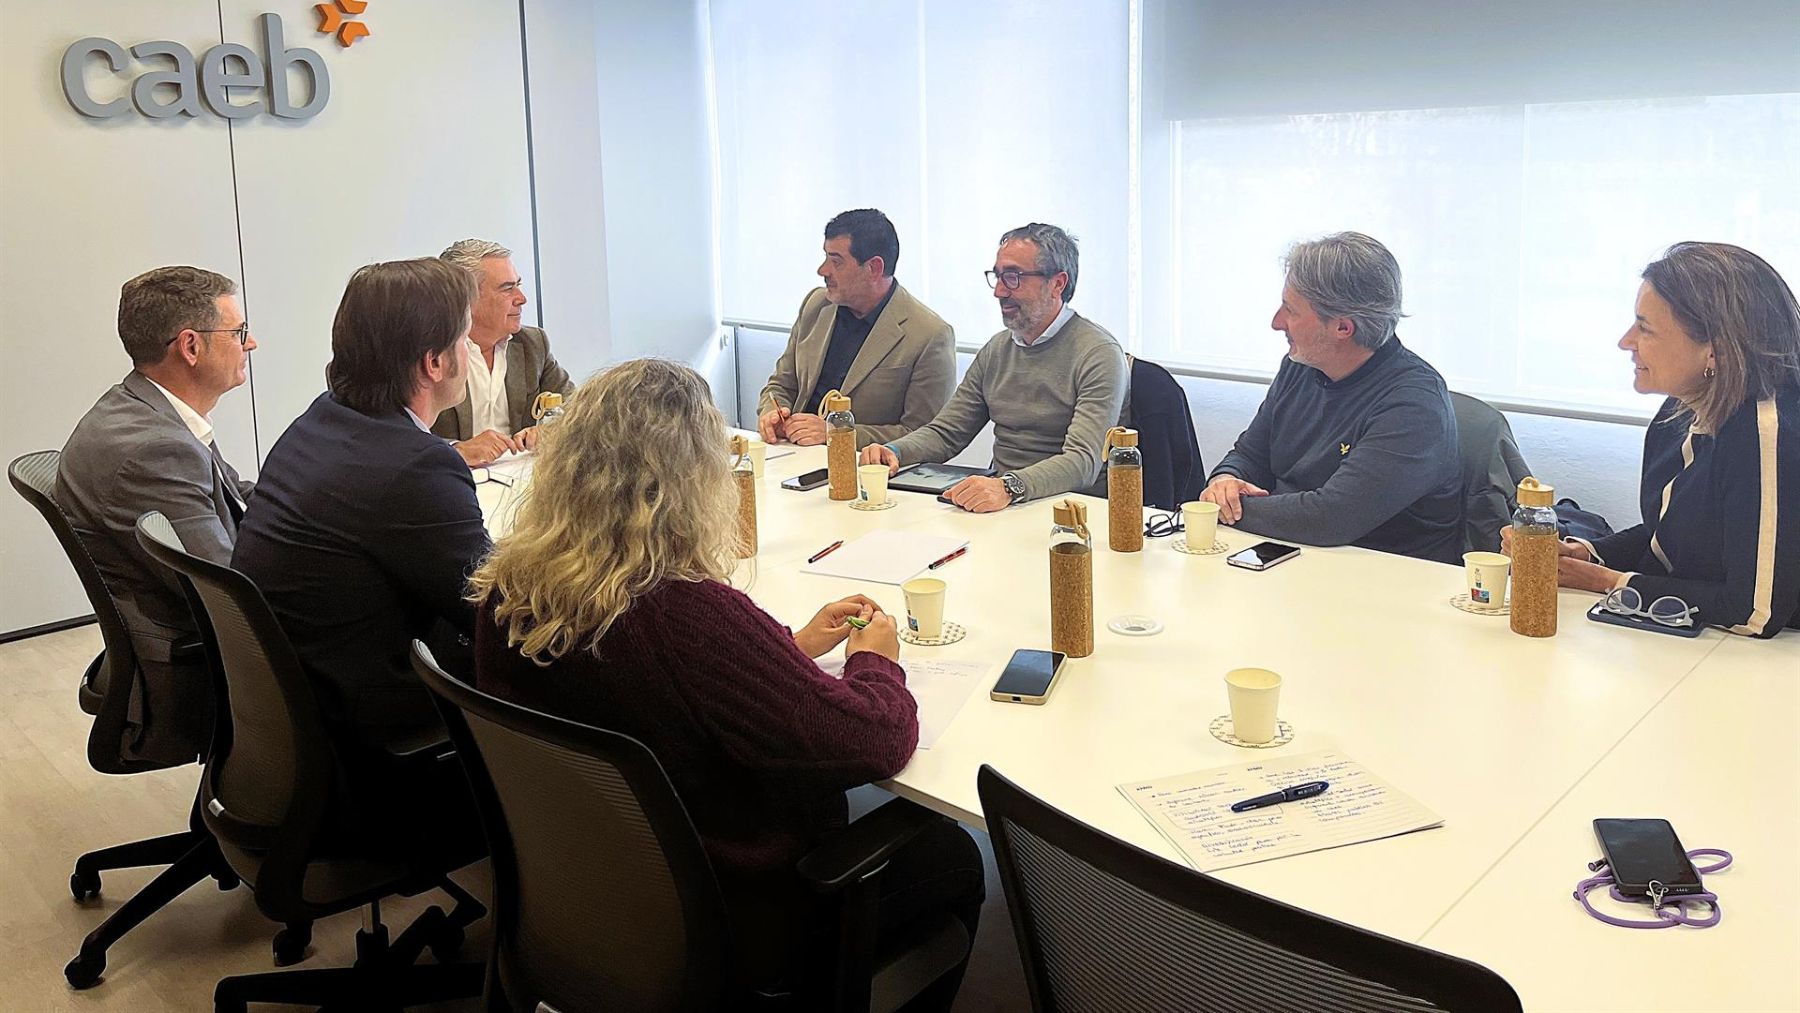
600,922
34,476
1105,944
254,779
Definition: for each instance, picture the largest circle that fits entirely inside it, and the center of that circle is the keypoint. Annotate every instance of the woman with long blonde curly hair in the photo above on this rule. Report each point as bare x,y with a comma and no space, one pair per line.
608,604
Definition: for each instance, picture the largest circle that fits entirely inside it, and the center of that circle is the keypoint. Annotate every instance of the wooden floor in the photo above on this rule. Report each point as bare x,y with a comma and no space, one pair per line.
53,807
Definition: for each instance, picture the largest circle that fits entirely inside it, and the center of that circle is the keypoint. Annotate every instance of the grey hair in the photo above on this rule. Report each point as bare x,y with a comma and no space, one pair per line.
1056,251
1347,274
469,253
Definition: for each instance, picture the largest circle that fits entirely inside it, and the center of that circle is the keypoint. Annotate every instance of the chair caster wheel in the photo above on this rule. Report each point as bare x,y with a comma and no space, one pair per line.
448,945
84,971
84,886
291,944
227,880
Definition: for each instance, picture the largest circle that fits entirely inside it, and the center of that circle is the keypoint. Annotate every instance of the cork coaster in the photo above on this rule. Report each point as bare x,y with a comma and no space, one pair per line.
952,633
1221,730
1463,604
1181,545
857,504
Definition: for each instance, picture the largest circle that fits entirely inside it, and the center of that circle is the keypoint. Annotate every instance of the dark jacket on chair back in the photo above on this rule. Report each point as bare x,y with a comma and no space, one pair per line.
1157,408
362,534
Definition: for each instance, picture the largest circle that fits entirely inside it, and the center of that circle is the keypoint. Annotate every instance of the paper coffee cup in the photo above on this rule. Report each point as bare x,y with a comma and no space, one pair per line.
924,607
757,451
1200,521
1254,693
871,482
1485,573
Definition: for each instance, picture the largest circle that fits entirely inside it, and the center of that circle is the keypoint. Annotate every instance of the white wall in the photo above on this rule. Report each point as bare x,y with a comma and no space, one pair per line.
562,47
422,143
657,180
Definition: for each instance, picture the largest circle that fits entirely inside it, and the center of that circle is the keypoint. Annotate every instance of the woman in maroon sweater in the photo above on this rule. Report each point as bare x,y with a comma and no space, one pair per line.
608,604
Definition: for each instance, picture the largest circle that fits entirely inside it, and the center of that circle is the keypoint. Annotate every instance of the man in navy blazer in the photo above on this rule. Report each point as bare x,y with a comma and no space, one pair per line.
365,526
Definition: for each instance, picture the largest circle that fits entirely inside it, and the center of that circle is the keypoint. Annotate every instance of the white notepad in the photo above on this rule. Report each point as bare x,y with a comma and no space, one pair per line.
1194,810
940,687
885,557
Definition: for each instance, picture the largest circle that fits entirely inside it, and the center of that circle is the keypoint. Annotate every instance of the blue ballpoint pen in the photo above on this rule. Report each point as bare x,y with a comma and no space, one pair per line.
1294,794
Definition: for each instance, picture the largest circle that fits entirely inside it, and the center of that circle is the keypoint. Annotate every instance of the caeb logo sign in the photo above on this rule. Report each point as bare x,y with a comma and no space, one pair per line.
163,79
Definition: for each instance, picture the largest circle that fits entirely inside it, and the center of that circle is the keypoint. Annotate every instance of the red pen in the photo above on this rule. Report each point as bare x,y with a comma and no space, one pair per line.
948,558
826,551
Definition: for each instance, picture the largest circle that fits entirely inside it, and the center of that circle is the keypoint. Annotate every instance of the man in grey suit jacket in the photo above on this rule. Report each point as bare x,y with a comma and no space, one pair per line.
147,444
863,334
509,364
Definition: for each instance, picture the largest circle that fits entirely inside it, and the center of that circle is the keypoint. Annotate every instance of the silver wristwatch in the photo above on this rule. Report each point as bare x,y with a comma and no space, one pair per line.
1015,486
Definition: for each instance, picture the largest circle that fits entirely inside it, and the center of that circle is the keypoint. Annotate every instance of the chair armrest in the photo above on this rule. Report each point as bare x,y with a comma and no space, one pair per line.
422,746
865,845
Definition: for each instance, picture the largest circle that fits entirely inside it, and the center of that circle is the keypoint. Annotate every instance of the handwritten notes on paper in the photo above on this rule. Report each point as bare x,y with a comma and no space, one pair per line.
1194,810
941,687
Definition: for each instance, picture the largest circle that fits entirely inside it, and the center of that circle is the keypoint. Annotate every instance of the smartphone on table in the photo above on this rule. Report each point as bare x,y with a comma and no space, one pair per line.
1640,853
1029,677
810,480
1263,555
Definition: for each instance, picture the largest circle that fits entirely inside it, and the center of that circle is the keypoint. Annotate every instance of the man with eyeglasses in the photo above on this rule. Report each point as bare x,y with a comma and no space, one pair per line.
1053,382
864,334
509,363
147,444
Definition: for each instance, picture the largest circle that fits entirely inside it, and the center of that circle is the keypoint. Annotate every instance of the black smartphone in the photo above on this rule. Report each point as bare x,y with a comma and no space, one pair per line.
1263,555
810,480
1640,852
1029,677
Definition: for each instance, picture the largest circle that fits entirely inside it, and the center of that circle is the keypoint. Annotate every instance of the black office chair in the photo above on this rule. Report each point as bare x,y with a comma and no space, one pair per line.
105,692
1103,925
266,793
604,897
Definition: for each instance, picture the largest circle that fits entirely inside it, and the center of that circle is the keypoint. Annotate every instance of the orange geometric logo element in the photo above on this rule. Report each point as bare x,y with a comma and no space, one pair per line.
335,18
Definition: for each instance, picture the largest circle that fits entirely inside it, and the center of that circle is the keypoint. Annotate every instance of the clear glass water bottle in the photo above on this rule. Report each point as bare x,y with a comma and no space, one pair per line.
548,408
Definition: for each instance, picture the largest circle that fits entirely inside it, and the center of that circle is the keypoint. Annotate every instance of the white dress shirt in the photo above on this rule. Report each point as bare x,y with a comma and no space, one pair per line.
487,390
198,424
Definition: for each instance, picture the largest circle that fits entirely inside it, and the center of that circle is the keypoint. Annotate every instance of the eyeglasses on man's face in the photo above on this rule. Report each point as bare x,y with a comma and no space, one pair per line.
241,331
1012,278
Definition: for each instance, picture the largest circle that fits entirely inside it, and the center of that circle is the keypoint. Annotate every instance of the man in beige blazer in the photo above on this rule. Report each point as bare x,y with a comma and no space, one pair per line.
864,334
509,364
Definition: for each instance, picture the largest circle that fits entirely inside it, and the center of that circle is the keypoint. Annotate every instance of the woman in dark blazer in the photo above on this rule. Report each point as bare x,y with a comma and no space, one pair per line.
1718,330
608,604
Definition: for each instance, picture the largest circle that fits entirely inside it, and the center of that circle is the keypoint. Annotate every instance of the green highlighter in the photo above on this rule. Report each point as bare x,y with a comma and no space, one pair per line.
857,623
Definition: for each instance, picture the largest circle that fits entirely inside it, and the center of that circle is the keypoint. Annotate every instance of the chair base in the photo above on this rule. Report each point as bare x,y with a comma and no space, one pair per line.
385,976
191,856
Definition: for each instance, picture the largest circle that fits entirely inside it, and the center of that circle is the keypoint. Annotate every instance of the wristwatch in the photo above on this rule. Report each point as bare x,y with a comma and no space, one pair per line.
1015,486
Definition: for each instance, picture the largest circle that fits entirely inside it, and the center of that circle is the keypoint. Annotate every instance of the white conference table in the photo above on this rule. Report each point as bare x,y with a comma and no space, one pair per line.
1493,731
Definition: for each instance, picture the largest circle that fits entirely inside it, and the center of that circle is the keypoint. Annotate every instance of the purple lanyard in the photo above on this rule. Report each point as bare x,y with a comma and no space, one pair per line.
1671,911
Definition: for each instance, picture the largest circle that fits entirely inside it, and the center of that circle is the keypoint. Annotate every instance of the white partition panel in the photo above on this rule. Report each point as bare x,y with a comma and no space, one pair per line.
422,143
84,205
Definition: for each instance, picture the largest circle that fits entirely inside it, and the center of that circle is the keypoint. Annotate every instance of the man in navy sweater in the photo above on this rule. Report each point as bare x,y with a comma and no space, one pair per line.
1355,443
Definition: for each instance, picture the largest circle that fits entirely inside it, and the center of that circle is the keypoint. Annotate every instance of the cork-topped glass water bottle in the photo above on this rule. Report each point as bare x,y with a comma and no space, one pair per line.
1534,554
1124,491
1071,581
743,471
840,445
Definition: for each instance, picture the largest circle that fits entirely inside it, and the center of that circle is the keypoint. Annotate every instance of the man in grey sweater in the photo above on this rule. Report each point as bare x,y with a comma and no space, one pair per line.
1355,443
1052,383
